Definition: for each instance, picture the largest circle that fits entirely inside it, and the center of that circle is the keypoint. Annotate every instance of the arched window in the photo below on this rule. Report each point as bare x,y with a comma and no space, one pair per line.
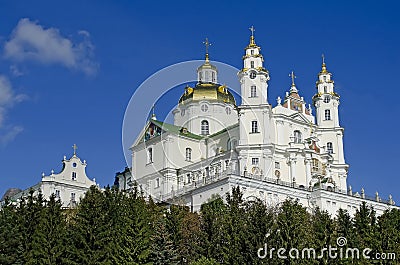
254,127
329,147
253,91
150,155
297,137
252,64
327,115
205,128
188,154
213,77
229,145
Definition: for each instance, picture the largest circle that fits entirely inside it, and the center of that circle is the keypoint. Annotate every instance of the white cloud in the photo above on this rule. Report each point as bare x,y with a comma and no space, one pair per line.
7,99
30,41
9,134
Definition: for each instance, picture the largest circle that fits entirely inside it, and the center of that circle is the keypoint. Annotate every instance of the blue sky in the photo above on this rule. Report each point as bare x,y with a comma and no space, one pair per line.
69,68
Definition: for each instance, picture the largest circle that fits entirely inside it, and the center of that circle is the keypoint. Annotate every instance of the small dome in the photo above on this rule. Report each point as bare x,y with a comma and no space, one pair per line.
209,92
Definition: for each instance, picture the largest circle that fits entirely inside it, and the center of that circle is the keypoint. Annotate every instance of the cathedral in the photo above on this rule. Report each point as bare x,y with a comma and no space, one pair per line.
271,151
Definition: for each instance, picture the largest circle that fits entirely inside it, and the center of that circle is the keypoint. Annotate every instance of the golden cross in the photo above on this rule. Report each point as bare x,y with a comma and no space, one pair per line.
293,77
252,29
207,44
75,147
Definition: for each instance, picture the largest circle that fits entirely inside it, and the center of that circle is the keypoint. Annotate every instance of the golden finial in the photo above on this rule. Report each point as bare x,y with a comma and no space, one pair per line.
75,147
252,42
207,44
323,64
291,75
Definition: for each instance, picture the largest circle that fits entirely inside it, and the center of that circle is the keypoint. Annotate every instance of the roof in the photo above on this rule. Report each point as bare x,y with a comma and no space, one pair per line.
176,130
208,91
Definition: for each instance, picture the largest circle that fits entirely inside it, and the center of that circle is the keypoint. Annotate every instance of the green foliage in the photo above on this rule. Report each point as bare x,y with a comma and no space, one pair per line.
113,227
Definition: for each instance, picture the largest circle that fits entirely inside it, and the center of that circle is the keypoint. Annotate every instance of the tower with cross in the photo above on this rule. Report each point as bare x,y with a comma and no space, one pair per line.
207,73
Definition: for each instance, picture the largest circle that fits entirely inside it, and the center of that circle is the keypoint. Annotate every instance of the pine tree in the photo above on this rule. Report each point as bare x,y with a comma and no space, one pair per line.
213,216
10,235
162,248
323,232
293,228
389,235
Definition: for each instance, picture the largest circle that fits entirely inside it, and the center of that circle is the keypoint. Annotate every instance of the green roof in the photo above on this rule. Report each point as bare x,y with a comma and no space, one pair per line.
176,130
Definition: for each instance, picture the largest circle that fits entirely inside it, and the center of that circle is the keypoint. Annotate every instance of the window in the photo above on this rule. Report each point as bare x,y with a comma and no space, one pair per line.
327,99
57,194
252,64
73,175
157,182
254,127
213,77
324,78
253,91
73,164
327,115
204,128
254,161
277,165
228,110
325,89
188,154
252,75
251,52
315,165
73,196
201,76
149,155
229,145
297,137
329,147
188,178
204,107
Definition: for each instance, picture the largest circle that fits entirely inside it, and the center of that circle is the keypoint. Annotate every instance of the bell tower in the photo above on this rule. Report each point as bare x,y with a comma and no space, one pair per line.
254,114
326,102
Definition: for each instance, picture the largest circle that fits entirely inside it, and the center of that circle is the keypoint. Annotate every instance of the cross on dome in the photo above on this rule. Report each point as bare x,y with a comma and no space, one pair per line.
207,44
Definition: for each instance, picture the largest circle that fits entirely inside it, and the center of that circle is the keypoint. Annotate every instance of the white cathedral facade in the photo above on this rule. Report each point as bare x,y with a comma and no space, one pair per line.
270,152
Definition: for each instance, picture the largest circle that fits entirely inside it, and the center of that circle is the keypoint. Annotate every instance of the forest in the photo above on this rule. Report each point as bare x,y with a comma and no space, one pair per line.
113,227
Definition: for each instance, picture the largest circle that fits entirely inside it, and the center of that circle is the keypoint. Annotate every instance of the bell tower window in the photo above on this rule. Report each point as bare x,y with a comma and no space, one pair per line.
253,91
252,64
329,147
327,115
254,127
327,99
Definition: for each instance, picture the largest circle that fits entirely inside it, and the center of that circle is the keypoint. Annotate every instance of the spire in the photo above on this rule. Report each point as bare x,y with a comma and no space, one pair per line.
293,88
75,147
323,71
153,115
207,44
252,40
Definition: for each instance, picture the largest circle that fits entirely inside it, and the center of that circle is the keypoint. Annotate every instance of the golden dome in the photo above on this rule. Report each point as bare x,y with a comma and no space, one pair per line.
209,92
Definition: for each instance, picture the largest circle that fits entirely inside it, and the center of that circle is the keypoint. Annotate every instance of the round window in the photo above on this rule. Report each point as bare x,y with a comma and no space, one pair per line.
73,164
204,108
252,75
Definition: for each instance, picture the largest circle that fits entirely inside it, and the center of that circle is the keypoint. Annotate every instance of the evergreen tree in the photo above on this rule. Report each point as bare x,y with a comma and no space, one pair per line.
10,235
389,235
205,261
162,248
323,232
293,230
213,216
